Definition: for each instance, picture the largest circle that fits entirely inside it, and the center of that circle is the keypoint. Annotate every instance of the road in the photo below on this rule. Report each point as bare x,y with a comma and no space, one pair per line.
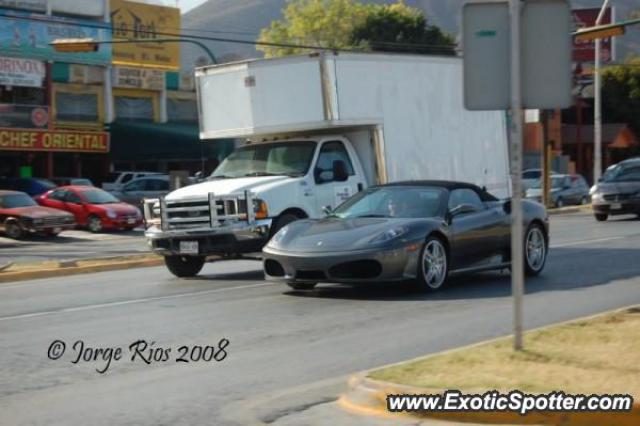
73,245
289,352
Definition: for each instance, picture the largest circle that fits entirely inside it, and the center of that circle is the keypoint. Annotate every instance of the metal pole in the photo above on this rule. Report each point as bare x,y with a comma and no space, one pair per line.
597,104
517,256
544,151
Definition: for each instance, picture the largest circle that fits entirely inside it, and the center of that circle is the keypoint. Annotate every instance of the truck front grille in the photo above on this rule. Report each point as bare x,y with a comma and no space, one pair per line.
197,213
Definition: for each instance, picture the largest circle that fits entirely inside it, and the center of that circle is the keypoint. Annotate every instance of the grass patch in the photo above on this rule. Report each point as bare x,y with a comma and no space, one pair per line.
600,355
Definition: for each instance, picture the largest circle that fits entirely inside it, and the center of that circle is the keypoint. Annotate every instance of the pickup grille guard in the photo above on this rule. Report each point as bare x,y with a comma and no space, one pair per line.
198,212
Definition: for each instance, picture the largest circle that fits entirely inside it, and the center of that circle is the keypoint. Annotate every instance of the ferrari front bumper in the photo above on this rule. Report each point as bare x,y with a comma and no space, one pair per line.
374,265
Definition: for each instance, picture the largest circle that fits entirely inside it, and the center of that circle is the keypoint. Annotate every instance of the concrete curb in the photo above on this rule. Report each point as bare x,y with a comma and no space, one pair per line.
586,208
368,397
70,267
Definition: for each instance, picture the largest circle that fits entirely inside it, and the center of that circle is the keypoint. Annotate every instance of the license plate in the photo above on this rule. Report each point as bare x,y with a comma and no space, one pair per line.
616,206
131,220
57,230
189,247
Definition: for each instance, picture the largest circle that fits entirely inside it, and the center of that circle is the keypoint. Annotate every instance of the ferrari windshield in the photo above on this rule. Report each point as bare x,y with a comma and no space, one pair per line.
268,159
12,201
393,201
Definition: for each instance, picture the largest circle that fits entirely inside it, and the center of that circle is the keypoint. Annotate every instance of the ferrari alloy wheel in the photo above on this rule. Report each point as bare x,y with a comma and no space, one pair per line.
94,224
535,249
434,264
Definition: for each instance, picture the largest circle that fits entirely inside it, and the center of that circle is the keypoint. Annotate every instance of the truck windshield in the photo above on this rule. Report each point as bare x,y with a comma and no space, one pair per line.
268,159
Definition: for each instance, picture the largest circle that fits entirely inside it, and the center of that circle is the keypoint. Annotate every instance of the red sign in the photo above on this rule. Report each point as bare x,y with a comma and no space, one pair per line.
584,50
53,140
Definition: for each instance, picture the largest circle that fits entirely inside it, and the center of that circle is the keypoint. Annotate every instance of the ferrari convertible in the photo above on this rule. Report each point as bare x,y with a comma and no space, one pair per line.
421,231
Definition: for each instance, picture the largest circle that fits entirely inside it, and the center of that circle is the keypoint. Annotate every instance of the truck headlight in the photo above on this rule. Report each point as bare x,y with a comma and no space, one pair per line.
260,209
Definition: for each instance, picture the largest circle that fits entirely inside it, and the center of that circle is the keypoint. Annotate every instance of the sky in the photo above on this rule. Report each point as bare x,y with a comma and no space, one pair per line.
187,5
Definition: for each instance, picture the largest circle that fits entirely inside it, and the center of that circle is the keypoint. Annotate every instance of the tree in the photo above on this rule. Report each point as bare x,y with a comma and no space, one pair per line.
621,93
351,24
398,27
325,23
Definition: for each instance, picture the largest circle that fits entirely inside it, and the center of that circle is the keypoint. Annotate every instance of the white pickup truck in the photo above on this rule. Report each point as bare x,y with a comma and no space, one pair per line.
317,129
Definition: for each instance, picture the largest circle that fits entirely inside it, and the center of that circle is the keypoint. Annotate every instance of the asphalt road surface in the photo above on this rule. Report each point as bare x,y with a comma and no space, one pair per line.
73,245
289,352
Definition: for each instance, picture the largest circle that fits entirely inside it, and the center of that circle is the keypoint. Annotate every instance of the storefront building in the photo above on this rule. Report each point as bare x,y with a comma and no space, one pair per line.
48,128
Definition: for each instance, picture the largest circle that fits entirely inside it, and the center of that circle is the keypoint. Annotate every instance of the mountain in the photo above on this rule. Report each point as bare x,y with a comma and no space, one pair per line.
243,19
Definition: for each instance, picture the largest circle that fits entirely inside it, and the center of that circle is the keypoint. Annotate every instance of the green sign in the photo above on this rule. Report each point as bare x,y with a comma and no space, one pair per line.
486,33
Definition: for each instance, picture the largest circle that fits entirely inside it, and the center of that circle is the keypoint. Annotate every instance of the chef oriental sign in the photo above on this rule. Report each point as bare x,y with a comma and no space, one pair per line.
53,141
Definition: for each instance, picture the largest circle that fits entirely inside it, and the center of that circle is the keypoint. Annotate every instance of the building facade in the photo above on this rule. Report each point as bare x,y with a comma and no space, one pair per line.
123,106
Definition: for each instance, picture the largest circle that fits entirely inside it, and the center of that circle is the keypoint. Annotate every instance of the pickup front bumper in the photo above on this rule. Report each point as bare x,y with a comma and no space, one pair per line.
236,238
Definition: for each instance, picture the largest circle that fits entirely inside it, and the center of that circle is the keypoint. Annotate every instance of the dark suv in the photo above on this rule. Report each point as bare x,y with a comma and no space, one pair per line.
618,191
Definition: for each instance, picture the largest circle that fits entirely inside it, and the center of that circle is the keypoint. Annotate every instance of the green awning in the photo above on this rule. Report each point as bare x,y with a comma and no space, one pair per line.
136,141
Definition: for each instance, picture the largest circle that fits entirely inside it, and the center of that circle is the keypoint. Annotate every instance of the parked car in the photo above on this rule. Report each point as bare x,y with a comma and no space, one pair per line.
66,181
565,190
422,231
20,215
531,176
618,191
146,187
30,186
117,180
92,207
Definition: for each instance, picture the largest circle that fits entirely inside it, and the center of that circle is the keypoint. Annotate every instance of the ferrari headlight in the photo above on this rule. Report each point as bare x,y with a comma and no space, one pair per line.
389,234
275,240
111,214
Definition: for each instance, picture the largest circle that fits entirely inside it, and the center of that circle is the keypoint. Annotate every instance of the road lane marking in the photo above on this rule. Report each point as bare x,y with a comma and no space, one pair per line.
595,240
132,301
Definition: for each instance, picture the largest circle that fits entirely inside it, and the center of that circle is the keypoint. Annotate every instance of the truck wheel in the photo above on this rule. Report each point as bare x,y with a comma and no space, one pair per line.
601,217
281,222
184,266
301,286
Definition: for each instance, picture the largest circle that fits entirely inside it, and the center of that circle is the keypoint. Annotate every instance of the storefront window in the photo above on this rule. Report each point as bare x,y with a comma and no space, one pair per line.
185,110
77,107
134,108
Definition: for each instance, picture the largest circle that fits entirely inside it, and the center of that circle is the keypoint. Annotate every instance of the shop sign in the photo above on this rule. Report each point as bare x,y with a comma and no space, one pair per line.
53,141
138,78
28,35
85,74
21,72
134,20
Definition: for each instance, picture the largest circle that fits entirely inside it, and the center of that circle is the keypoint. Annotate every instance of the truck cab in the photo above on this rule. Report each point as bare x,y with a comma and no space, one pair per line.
281,180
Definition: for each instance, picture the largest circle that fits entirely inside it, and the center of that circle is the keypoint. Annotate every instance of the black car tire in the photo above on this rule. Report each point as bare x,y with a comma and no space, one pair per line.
439,255
184,266
601,217
281,222
94,223
535,236
13,230
302,286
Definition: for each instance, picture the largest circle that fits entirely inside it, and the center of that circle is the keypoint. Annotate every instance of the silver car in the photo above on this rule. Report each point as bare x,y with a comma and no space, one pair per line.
135,191
565,190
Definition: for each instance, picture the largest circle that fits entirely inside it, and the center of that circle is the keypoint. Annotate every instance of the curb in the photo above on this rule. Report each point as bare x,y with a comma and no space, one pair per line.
571,209
66,268
368,397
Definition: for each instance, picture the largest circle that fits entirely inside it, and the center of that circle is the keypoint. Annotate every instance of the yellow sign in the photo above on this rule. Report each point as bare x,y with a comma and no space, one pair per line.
131,21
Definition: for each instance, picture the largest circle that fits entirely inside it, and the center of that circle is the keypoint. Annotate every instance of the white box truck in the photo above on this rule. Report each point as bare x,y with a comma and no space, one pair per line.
317,129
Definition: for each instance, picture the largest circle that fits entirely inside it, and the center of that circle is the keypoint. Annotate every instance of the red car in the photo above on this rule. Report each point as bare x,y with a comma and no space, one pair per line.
20,215
92,207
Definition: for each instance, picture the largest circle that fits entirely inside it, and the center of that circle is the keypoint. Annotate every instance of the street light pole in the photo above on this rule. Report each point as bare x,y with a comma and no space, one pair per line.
597,104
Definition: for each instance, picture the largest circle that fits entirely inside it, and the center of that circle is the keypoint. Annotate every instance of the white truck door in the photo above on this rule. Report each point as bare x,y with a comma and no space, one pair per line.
329,191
